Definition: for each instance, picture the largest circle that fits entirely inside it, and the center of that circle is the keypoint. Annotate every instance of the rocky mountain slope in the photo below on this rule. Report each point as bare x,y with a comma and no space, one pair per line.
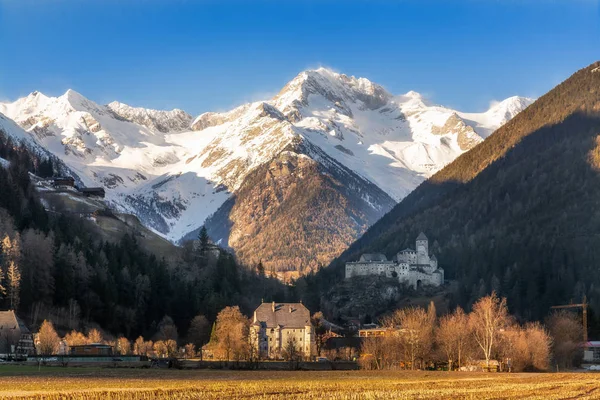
517,214
337,148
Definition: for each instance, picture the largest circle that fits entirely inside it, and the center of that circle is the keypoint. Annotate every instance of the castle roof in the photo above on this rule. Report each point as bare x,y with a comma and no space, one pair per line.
422,236
407,250
433,257
285,315
373,257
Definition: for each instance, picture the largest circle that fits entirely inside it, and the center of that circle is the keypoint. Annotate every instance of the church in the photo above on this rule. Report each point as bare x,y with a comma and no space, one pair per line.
414,267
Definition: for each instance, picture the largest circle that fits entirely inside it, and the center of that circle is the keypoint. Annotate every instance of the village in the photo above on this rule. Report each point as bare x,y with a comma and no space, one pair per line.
289,335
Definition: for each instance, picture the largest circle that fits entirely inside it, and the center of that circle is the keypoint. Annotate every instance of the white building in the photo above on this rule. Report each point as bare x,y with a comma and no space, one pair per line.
277,325
415,267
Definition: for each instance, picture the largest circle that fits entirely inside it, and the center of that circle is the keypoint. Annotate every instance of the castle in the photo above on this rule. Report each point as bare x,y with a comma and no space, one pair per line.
414,267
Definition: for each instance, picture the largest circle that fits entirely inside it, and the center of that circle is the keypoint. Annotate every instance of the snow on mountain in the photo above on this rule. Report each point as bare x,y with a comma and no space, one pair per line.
161,121
497,115
101,146
174,172
17,134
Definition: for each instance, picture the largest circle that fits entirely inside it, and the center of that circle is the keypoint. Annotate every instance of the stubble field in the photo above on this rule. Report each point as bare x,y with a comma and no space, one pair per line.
93,384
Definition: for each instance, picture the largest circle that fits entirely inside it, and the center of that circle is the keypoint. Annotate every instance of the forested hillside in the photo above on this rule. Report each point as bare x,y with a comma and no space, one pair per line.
54,267
518,214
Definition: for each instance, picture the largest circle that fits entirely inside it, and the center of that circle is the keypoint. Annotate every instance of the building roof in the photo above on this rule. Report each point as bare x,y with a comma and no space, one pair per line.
422,236
373,257
433,257
285,315
8,320
407,250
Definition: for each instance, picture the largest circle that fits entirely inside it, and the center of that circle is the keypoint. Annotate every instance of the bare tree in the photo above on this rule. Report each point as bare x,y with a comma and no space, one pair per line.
526,348
414,329
199,331
488,317
48,340
190,350
566,331
453,336
167,329
291,353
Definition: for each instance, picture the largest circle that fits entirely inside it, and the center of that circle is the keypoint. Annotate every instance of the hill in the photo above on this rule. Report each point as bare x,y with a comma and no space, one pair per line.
518,214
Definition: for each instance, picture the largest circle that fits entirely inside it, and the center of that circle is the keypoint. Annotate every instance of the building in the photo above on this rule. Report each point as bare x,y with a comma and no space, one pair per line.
375,332
92,191
415,267
277,325
16,339
63,181
591,352
93,349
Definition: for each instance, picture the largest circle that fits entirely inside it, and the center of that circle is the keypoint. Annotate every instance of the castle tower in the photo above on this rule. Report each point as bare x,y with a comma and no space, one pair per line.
422,249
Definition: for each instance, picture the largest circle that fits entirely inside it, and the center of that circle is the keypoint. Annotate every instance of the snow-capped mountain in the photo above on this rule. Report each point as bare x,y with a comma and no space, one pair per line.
174,172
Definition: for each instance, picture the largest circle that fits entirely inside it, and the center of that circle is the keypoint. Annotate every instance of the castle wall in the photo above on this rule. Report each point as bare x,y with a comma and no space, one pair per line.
411,267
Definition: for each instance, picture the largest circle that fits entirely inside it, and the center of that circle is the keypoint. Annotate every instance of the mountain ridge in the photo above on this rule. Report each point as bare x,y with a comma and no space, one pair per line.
174,171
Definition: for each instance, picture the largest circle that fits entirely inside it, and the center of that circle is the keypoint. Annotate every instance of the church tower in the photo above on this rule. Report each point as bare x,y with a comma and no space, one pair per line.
422,249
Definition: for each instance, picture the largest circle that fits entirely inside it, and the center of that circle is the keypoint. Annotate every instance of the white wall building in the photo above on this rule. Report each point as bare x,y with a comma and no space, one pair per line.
415,267
275,325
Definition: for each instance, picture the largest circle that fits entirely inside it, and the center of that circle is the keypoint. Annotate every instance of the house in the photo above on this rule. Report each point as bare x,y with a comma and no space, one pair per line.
92,191
375,332
276,326
16,339
93,349
63,181
415,267
591,352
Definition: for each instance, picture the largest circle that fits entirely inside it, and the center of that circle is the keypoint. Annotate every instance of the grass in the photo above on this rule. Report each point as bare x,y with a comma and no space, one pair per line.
94,383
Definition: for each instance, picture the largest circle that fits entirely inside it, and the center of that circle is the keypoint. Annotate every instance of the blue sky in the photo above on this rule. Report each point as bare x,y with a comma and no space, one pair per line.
212,55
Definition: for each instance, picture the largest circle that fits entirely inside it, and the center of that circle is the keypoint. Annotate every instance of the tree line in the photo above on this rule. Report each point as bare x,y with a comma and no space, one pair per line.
488,337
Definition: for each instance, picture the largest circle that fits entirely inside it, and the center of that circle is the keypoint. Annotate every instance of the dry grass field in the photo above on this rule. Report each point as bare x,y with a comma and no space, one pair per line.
90,383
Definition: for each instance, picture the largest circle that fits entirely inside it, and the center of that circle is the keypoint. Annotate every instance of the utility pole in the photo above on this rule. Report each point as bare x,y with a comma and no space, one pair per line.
583,306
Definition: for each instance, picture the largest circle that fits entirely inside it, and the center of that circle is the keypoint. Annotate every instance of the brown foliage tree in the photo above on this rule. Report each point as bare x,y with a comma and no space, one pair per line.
123,346
231,334
94,336
48,340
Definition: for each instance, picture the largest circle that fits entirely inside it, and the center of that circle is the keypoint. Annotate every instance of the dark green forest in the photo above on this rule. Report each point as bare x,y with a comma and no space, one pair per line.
518,214
75,279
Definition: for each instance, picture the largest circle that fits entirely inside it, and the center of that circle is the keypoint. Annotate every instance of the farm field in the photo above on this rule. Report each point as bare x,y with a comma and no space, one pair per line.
93,383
